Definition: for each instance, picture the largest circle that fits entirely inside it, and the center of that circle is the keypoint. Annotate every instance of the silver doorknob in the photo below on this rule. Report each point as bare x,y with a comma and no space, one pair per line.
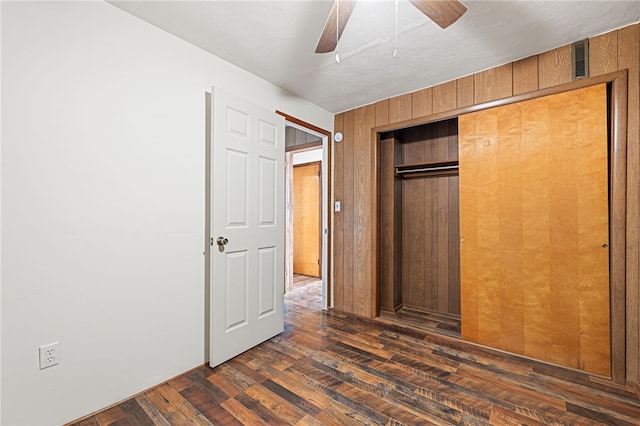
222,241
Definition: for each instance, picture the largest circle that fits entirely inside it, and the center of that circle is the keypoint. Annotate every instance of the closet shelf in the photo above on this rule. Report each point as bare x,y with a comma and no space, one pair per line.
445,168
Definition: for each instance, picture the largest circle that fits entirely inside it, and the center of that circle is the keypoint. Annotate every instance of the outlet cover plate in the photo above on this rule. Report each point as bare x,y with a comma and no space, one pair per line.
49,355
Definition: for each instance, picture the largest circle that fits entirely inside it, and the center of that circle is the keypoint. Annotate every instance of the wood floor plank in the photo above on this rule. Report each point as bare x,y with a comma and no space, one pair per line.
332,368
183,408
339,415
256,407
152,411
290,413
180,383
229,380
202,387
244,415
278,360
110,416
386,407
169,406
89,421
135,413
308,420
296,391
597,414
212,411
505,417
207,400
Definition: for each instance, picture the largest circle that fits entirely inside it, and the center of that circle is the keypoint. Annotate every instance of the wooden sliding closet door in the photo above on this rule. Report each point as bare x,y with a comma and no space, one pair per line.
534,226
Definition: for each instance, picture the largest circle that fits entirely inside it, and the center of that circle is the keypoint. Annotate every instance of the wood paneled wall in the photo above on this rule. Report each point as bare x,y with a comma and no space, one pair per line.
355,245
296,139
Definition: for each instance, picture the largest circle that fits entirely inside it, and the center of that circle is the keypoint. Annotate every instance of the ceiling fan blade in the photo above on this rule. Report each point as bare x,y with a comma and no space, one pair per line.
442,12
328,40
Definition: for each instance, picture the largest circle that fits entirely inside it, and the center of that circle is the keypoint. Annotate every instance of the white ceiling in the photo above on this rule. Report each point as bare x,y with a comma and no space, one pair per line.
276,40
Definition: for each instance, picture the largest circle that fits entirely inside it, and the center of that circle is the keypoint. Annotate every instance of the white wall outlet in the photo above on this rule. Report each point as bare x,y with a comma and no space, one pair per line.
49,355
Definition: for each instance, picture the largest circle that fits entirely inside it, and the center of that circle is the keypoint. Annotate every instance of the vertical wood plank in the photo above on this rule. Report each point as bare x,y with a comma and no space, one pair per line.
445,97
422,103
492,84
469,264
397,219
554,67
364,210
465,91
413,221
338,217
453,305
525,75
400,108
348,209
441,216
386,224
382,112
511,257
454,224
603,54
629,58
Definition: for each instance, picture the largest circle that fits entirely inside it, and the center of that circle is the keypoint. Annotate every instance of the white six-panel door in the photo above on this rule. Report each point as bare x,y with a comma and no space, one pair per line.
247,225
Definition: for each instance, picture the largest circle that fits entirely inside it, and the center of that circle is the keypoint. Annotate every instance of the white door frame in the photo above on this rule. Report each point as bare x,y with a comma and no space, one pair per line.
326,202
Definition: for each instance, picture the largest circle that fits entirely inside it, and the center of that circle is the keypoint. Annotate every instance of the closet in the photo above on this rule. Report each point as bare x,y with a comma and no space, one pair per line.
500,217
419,223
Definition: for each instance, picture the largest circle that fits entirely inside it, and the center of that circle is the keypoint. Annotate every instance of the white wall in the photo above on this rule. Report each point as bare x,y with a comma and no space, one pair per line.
0,227
102,185
304,157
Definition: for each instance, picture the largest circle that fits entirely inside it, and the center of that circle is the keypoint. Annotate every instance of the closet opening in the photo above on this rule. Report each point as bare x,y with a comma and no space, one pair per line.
419,251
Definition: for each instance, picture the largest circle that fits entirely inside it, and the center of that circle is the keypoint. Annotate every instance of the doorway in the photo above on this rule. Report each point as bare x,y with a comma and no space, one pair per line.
307,144
307,217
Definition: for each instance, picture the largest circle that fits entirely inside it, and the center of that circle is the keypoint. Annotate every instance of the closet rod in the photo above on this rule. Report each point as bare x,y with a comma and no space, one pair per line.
425,169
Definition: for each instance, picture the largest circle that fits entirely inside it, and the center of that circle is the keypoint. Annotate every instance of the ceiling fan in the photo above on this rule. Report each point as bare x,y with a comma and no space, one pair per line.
442,12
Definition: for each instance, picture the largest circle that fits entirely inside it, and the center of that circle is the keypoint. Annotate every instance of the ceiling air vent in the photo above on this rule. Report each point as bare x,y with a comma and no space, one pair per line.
580,59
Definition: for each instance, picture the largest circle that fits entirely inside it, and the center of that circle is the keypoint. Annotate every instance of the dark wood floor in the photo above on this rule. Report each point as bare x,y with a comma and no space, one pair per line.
427,321
335,369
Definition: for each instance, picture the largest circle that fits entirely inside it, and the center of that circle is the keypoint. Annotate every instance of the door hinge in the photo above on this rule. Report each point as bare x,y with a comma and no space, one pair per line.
211,241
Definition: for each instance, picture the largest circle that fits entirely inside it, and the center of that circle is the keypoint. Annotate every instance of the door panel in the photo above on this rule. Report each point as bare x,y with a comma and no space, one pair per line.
306,219
236,290
266,281
534,225
236,199
267,181
247,213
